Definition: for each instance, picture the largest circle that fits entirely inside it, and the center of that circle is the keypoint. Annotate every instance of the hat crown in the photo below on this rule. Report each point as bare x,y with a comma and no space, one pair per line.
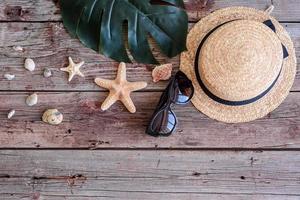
240,60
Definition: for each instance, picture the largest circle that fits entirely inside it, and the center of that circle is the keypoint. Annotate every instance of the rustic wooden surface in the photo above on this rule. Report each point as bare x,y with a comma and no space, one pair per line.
204,159
50,45
280,129
150,175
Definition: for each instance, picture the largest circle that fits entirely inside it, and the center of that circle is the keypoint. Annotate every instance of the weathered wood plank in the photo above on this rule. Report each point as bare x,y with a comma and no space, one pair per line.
85,126
29,10
150,174
49,45
41,10
145,196
285,10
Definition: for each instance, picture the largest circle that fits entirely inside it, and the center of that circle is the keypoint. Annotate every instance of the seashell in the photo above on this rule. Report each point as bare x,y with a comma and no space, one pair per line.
162,72
47,73
52,117
9,77
10,114
18,48
31,100
29,64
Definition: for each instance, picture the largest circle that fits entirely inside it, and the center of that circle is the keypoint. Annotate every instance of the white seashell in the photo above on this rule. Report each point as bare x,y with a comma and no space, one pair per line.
29,64
31,100
9,77
52,117
162,72
18,48
47,73
11,114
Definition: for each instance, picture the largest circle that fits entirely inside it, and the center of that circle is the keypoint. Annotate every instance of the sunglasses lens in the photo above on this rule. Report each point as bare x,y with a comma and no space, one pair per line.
164,123
184,89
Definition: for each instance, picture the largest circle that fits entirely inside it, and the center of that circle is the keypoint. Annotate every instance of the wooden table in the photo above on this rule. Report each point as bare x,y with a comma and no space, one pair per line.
106,155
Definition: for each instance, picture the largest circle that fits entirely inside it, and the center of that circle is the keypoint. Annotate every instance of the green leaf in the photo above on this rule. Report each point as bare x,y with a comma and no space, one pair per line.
99,24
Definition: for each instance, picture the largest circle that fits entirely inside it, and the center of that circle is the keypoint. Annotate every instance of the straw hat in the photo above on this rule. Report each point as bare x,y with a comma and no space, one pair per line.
242,64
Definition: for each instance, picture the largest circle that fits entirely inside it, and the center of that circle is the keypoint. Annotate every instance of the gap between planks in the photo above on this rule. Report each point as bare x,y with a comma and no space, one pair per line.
158,149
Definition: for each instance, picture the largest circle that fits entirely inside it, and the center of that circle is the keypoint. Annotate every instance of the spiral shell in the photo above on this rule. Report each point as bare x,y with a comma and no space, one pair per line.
162,72
52,117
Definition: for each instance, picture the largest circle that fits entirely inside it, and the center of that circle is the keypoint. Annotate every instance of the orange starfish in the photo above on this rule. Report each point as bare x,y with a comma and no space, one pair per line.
120,89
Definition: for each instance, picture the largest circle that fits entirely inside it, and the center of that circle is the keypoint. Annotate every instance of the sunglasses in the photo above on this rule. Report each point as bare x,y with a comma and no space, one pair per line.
179,91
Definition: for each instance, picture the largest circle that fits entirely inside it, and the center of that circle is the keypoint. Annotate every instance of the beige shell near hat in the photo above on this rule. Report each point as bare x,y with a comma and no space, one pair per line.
242,64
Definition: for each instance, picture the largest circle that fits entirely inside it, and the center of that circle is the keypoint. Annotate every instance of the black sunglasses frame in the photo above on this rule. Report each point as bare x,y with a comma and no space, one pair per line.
167,99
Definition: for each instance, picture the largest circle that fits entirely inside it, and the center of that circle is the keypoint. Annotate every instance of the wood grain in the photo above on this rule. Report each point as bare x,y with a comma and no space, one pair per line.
129,164
149,175
85,126
41,10
49,45
146,196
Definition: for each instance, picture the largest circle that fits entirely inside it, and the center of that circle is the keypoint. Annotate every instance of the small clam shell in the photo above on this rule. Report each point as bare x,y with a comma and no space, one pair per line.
52,117
31,100
29,64
162,72
9,77
10,114
18,48
47,73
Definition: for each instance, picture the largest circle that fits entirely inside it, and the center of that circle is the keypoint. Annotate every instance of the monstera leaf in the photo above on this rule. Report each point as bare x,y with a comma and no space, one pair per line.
101,24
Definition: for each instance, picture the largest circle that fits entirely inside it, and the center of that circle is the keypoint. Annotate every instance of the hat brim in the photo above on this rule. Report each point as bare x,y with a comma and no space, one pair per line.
249,112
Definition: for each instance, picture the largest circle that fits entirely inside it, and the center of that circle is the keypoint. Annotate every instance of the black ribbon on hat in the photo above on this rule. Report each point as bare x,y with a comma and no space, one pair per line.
269,24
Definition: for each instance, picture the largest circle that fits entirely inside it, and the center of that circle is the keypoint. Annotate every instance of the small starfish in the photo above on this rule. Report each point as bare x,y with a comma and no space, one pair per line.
73,69
120,89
